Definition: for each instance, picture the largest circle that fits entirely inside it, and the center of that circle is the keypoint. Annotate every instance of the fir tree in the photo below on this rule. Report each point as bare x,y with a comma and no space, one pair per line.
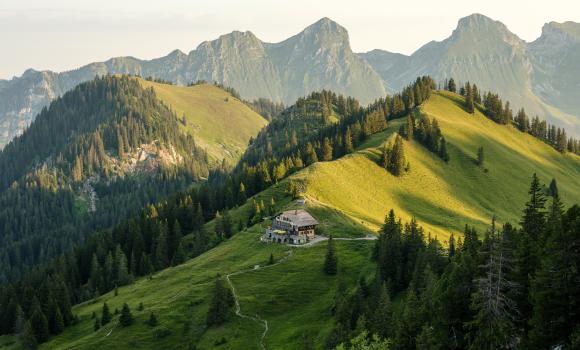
105,314
330,260
397,158
152,320
126,318
271,260
410,129
220,305
480,156
27,337
451,85
469,98
326,150
443,154
493,325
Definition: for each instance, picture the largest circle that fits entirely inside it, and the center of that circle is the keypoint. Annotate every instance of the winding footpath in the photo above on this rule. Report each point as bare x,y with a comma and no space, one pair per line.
289,253
238,311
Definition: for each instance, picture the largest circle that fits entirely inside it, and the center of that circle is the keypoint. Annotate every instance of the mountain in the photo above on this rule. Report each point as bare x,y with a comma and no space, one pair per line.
555,56
104,150
350,197
485,52
318,57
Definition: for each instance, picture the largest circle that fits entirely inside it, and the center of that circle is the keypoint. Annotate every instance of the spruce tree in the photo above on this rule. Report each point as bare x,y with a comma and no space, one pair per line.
397,158
383,314
410,129
480,156
105,314
126,318
443,153
220,305
469,99
152,320
493,326
451,85
271,260
326,150
330,260
554,291
27,337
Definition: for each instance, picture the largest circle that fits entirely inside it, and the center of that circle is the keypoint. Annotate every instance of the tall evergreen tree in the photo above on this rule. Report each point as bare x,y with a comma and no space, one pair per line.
220,305
330,260
105,314
493,325
126,318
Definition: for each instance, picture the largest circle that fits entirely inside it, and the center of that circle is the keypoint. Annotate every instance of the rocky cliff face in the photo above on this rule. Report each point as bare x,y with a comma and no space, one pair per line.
556,59
320,57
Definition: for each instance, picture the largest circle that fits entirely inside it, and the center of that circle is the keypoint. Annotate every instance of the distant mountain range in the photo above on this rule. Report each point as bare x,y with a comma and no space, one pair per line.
543,76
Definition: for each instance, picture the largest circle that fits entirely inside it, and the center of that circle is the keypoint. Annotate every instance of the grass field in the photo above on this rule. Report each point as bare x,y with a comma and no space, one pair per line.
219,122
444,197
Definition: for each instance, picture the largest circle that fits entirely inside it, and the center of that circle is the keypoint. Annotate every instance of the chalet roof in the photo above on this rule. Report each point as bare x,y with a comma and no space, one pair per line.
299,217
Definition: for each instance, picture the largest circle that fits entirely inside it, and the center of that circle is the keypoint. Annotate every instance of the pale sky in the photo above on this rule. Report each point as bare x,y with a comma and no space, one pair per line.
65,34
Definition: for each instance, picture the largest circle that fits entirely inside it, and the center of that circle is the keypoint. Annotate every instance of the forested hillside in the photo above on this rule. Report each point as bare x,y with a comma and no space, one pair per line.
79,165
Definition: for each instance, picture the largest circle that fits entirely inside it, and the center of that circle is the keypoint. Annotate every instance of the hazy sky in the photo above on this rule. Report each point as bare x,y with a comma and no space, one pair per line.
65,34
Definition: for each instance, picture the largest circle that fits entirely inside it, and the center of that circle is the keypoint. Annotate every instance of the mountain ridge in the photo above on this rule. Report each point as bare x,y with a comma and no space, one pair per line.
320,57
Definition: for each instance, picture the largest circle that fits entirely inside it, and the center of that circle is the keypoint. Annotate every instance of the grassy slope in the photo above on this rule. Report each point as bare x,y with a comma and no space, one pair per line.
442,196
295,297
220,123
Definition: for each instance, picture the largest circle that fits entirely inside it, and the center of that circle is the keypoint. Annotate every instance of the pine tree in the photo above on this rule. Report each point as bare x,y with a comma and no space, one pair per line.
38,322
410,129
326,150
409,325
220,305
383,314
27,338
57,325
554,290
451,85
161,256
271,260
480,156
493,325
397,158
126,318
105,314
443,153
469,98
97,324
330,260
152,320
348,146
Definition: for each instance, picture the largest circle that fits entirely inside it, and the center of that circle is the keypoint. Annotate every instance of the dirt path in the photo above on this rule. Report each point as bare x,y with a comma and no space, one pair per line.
238,311
257,318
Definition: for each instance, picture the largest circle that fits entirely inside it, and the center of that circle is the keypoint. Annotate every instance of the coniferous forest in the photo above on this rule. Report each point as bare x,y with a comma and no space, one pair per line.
512,286
515,288
71,172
